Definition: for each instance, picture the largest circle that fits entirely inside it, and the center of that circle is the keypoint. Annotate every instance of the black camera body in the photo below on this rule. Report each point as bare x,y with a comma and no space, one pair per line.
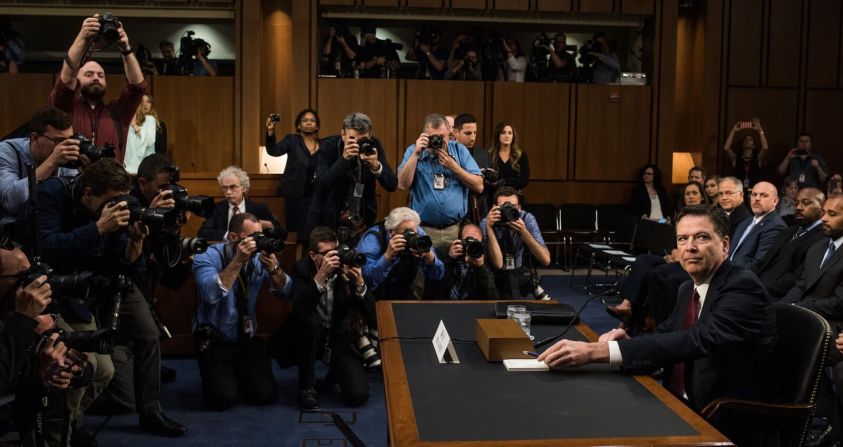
472,247
109,27
350,257
367,146
202,206
187,52
509,213
590,47
801,152
194,245
266,243
274,118
489,175
36,270
417,242
90,150
435,142
157,218
98,341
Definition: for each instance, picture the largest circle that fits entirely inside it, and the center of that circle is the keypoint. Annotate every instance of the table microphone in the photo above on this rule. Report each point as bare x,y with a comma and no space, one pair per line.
553,338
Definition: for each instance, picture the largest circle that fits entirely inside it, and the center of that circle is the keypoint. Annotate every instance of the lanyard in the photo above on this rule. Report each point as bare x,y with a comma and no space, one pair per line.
95,124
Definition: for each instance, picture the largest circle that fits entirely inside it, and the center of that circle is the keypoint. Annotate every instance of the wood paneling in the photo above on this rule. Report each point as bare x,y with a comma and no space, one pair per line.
823,113
596,6
23,95
115,84
613,137
777,110
512,5
468,4
784,50
823,43
199,116
554,5
640,7
337,2
425,4
545,140
387,3
745,43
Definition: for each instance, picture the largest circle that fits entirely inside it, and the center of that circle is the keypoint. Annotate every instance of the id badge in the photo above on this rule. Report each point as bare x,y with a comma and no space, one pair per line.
248,329
746,183
326,355
438,181
802,178
508,262
358,190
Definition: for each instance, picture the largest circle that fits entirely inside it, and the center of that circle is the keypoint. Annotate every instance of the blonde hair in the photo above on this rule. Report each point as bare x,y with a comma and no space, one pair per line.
140,117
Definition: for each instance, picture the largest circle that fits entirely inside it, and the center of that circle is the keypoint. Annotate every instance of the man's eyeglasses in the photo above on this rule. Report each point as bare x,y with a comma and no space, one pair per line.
224,188
728,193
55,140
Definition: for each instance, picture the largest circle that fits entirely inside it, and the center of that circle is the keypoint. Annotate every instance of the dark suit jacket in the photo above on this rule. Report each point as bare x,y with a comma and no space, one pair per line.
639,203
783,263
215,228
820,289
757,242
738,215
294,180
726,352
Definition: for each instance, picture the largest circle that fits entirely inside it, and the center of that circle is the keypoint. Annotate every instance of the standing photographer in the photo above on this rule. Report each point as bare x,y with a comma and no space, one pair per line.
605,65
339,52
804,164
431,56
511,234
467,277
466,69
205,67
101,123
229,277
377,58
563,66
85,227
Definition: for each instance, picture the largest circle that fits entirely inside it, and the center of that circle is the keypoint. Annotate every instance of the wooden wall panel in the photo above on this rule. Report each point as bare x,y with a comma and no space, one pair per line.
512,5
438,4
596,6
745,43
823,112
337,2
785,26
468,4
23,94
776,108
114,86
554,5
640,7
386,3
545,140
612,138
199,115
823,43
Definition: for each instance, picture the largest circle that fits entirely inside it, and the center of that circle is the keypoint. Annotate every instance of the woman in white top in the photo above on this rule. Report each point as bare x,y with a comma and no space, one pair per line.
140,142
516,63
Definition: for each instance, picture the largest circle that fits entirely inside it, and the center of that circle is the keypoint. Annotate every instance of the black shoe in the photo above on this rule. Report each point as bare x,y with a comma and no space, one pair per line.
160,424
308,399
80,437
624,315
167,374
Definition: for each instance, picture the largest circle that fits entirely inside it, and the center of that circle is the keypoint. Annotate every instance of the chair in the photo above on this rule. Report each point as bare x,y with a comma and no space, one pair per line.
549,220
803,340
578,221
618,234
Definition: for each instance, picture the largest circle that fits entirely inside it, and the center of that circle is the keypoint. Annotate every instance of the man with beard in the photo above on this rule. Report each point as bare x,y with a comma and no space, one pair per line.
101,123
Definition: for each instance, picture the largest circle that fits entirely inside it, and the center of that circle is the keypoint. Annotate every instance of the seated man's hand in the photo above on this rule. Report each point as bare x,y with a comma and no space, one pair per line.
614,335
34,298
568,353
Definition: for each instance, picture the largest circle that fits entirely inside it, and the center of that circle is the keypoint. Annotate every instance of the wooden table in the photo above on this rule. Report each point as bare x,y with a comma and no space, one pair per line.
477,403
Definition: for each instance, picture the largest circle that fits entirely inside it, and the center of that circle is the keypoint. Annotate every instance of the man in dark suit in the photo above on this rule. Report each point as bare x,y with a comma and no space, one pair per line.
718,340
783,263
753,237
234,183
730,200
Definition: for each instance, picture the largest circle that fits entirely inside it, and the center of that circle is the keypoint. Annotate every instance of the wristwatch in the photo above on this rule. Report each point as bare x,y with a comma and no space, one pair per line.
275,270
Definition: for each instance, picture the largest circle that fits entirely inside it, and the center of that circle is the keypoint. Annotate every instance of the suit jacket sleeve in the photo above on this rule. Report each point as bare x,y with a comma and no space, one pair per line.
830,307
766,240
210,230
161,139
305,293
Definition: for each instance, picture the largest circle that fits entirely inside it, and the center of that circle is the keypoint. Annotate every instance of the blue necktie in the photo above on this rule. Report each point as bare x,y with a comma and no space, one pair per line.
828,253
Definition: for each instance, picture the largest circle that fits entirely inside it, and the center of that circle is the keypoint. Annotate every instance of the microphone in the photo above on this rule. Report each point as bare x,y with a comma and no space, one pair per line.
267,167
553,338
192,165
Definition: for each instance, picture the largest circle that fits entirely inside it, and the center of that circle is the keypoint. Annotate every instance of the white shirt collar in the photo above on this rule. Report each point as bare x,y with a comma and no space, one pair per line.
838,242
240,206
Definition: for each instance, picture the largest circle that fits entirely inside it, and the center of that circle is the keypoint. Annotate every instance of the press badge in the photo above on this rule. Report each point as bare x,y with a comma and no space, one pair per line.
358,190
746,183
438,181
508,262
802,178
248,329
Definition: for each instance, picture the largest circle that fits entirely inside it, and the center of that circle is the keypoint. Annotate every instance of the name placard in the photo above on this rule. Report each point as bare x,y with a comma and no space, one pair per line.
443,345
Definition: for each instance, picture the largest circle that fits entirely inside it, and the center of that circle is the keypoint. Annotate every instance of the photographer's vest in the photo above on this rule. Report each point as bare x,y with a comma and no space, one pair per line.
398,284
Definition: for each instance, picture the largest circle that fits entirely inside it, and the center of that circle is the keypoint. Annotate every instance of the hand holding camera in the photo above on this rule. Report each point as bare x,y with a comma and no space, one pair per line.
245,249
114,217
268,260
164,199
421,143
90,27
66,152
351,149
33,298
330,262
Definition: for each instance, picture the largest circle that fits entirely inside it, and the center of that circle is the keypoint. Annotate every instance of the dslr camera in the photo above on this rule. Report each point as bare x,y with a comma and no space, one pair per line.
350,257
509,213
202,206
472,247
417,242
157,218
266,243
530,284
367,146
109,28
90,150
275,117
98,341
435,142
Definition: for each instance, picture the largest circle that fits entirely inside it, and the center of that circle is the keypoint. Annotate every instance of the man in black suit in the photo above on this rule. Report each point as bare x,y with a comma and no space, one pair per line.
783,263
234,183
730,200
753,237
719,338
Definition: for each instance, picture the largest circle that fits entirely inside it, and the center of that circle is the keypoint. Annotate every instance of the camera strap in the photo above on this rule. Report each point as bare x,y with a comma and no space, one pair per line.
246,325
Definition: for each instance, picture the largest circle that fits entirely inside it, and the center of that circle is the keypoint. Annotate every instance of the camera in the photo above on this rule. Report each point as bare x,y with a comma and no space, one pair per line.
509,213
35,271
472,247
98,341
586,58
202,206
368,352
489,175
266,243
350,257
93,152
531,284
109,28
801,152
188,45
194,245
435,142
158,218
274,118
367,146
417,242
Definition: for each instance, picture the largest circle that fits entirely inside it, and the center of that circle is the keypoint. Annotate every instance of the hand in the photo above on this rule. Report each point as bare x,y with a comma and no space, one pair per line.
756,124
123,40
421,143
505,46
839,342
330,262
245,249
397,243
815,163
268,260
519,227
266,225
371,161
567,353
34,298
351,148
138,231
613,335
792,153
445,159
456,249
355,274
113,218
90,27
52,360
424,48
270,127
65,152
494,217
164,199
380,60
332,32
341,38
136,128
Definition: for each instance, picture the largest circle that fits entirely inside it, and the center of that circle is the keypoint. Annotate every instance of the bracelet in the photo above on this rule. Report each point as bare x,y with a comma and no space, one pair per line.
127,51
275,270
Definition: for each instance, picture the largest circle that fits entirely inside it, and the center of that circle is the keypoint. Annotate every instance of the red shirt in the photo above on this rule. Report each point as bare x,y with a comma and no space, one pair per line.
96,123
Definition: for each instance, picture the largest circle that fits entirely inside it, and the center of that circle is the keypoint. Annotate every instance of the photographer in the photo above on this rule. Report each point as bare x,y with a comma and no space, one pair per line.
234,184
229,277
563,66
168,65
431,56
467,277
804,164
91,117
466,69
339,52
439,174
396,251
377,58
511,234
349,165
85,227
602,65
205,67
515,67
49,147
331,307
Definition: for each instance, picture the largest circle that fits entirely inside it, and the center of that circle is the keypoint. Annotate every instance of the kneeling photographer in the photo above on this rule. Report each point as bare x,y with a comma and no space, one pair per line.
333,315
229,278
467,276
93,238
396,251
513,235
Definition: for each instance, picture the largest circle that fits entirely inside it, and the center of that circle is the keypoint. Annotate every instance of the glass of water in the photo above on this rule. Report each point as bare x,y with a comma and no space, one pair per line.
523,319
513,308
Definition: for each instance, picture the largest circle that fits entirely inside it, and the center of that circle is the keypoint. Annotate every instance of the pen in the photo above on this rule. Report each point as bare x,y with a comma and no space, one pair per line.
530,353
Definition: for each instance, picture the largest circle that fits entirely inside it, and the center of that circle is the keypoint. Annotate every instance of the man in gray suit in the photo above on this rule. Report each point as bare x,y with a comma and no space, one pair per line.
753,237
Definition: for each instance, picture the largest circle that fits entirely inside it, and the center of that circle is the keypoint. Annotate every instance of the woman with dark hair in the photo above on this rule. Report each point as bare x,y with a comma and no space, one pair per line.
508,159
691,193
515,65
649,197
712,191
299,179
747,166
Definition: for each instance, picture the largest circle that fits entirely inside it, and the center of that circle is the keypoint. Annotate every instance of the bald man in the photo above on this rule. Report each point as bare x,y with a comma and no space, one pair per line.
754,237
91,117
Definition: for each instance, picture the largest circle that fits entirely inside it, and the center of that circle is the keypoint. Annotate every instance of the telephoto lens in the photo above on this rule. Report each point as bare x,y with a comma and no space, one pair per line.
367,350
472,247
435,142
509,213
194,245
417,242
350,257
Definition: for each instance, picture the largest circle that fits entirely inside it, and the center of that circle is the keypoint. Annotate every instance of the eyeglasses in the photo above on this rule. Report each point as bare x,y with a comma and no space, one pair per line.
324,252
225,188
728,193
308,120
55,140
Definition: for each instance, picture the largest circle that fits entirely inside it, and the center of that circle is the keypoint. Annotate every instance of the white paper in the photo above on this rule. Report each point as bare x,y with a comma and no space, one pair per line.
616,252
524,365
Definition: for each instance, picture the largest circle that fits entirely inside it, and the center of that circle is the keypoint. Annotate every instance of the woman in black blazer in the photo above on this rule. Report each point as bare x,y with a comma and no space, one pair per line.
649,197
299,179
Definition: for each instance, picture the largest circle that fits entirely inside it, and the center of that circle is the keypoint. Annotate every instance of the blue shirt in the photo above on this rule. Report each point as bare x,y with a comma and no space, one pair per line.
509,241
217,306
377,268
440,206
14,183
